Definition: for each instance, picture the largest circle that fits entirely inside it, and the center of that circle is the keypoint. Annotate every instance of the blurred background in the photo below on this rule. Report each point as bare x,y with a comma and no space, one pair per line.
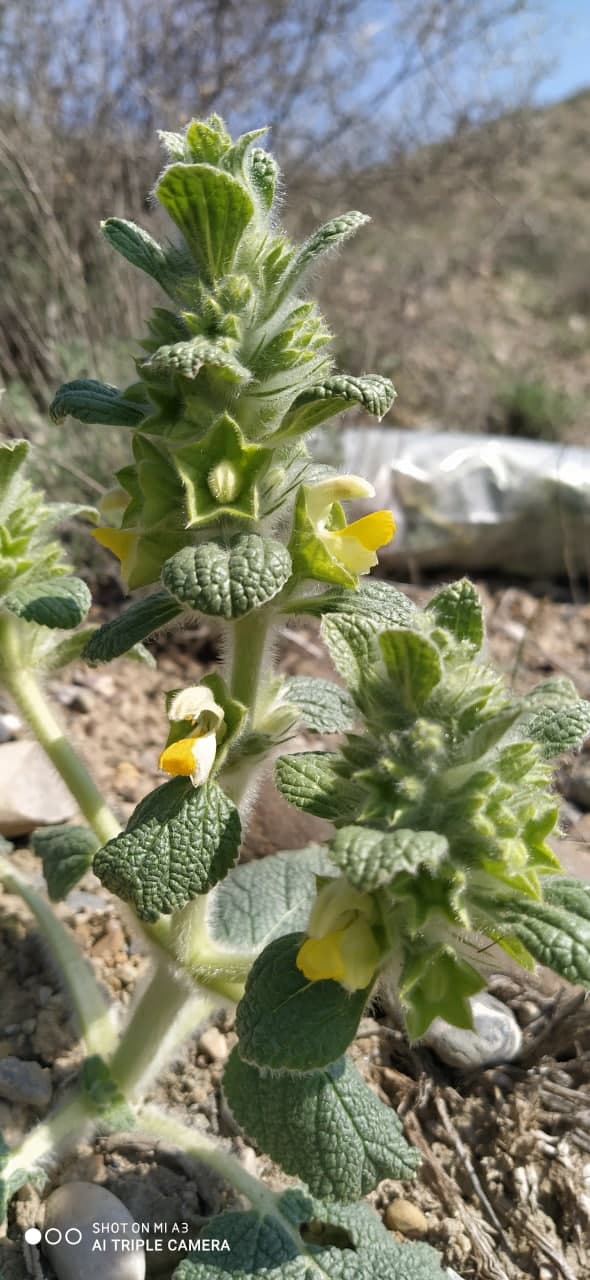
461,126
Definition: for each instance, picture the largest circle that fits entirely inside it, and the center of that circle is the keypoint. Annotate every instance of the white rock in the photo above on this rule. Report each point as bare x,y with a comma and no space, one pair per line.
75,1208
31,792
496,1036
10,726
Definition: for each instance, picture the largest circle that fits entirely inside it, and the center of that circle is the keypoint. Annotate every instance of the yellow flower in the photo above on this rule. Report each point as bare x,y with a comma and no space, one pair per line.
122,542
192,755
351,545
341,944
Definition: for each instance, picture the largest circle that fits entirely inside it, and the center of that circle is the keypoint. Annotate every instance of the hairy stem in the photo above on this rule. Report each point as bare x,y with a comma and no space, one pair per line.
165,1015
66,1126
250,635
92,1012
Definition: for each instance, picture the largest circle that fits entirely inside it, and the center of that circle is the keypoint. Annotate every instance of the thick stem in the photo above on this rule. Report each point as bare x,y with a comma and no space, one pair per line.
66,1125
250,636
25,691
91,1009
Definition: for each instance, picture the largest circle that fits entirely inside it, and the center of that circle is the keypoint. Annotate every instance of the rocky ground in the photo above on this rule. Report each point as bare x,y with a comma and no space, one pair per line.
504,1188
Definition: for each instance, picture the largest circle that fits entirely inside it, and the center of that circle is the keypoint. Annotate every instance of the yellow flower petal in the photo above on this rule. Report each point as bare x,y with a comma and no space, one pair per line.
122,542
372,531
179,758
360,954
320,497
321,958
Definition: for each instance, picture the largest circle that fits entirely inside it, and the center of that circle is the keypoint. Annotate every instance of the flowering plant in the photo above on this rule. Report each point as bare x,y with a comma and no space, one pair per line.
437,785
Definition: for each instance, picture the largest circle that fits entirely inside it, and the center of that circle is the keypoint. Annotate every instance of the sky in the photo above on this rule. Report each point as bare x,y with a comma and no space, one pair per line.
568,42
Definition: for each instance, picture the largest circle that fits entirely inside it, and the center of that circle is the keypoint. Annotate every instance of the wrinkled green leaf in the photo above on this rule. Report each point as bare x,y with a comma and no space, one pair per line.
228,581
370,859
458,609
95,402
140,620
324,707
263,900
178,843
66,853
194,354
334,395
284,1021
327,1127
556,931
559,729
310,780
378,602
50,601
350,642
142,251
327,237
211,208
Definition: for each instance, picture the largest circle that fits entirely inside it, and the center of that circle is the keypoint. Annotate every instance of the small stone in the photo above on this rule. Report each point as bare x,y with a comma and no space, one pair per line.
74,698
214,1044
10,726
31,792
77,1206
127,780
25,1083
496,1036
402,1215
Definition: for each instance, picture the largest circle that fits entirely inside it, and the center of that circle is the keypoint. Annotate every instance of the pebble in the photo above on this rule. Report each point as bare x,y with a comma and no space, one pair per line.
402,1215
73,697
31,792
214,1044
79,1205
496,1036
25,1083
10,726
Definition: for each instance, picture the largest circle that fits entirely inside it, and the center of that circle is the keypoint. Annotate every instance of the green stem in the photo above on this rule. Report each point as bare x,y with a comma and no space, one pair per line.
68,1123
89,1004
165,1015
250,636
26,692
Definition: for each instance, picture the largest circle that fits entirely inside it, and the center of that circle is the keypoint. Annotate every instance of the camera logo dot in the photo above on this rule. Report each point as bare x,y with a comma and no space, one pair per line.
32,1235
53,1235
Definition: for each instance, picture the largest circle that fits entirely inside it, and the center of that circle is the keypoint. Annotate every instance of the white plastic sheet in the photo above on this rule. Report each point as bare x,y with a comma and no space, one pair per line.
476,502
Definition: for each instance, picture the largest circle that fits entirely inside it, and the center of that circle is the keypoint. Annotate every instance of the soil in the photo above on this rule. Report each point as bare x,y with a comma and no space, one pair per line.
504,1186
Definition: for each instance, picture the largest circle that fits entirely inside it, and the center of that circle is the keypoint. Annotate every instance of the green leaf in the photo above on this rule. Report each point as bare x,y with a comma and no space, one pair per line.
221,473
378,602
557,730
178,843
458,609
328,1127
50,602
350,642
13,455
556,931
436,983
212,210
137,622
105,1097
558,691
324,706
487,735
284,1021
189,357
262,900
311,781
335,394
228,581
95,402
205,142
66,853
370,859
327,237
142,251
413,664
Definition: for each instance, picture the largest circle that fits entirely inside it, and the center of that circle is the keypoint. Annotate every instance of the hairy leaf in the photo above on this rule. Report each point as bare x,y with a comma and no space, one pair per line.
95,402
335,394
211,208
178,843
141,250
458,609
50,601
324,707
228,581
189,357
559,729
263,900
136,623
327,237
350,642
327,1127
66,854
556,931
379,602
311,782
413,663
284,1021
370,859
